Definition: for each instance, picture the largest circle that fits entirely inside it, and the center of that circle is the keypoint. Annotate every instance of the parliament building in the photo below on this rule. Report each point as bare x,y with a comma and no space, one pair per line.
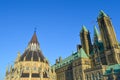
31,65
93,60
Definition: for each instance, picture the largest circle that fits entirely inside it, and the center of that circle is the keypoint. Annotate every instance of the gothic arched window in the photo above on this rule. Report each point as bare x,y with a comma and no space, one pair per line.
87,78
92,77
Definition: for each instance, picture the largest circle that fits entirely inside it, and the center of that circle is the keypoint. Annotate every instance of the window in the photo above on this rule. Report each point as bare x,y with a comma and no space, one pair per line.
87,77
99,75
86,62
92,77
25,75
35,75
45,75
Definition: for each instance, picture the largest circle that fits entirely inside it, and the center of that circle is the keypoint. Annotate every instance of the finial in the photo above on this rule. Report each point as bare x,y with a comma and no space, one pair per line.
35,29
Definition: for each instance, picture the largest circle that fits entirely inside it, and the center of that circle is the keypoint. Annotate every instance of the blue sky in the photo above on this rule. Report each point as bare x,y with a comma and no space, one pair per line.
58,25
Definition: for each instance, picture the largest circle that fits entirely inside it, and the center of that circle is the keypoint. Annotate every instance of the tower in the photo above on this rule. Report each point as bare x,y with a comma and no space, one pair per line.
96,34
98,56
31,65
107,31
109,39
84,63
85,40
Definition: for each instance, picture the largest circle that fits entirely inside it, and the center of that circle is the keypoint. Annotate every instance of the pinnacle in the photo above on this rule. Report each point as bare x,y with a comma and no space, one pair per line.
34,38
84,29
96,33
102,14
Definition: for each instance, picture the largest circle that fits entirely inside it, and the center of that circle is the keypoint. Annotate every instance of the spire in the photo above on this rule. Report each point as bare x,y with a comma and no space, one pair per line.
96,33
34,38
7,70
11,68
84,29
34,44
102,14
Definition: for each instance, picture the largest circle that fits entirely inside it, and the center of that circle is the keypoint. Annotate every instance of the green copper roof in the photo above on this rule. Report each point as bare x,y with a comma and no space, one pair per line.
84,29
96,33
82,53
100,45
102,14
116,69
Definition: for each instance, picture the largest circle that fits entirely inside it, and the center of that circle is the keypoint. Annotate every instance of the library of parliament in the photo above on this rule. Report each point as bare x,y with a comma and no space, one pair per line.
93,60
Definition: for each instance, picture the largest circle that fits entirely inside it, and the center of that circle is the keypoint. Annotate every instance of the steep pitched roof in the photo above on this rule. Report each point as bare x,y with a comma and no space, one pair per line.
82,53
102,14
33,52
84,29
96,33
34,39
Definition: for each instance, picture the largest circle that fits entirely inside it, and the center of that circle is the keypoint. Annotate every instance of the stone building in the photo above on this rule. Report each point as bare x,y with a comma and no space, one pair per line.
31,65
93,60
99,60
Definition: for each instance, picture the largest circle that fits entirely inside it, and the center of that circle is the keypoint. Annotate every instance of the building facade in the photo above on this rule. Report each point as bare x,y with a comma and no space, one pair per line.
99,60
31,65
96,60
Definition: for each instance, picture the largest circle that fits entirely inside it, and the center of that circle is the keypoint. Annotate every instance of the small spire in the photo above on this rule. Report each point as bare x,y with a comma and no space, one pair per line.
7,70
96,33
35,30
34,38
84,29
11,68
102,14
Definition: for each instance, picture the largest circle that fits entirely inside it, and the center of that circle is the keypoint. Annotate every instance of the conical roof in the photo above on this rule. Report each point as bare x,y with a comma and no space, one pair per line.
34,39
33,51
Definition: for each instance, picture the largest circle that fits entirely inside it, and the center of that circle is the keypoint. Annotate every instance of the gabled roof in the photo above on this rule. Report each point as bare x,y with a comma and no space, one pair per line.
102,14
80,54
